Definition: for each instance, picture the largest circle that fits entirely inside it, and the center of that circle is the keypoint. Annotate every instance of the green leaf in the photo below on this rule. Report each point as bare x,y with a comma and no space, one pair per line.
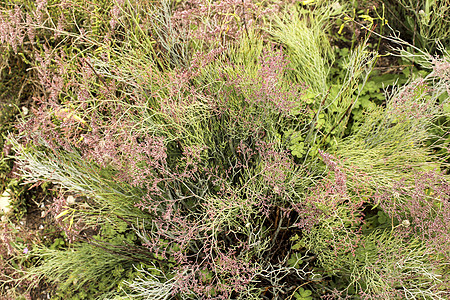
305,293
294,261
296,246
297,296
296,153
122,227
382,217
294,238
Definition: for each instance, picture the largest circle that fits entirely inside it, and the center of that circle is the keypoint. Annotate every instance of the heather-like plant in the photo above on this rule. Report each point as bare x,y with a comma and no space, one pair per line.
412,197
188,181
380,265
179,145
172,155
345,235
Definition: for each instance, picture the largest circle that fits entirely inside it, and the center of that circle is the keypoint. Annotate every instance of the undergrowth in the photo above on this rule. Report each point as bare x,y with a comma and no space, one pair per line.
224,150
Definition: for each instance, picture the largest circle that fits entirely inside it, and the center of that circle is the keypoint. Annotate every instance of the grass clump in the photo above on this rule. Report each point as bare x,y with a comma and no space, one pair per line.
304,33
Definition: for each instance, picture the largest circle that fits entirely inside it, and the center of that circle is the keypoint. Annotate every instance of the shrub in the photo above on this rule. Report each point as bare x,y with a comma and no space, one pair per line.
182,149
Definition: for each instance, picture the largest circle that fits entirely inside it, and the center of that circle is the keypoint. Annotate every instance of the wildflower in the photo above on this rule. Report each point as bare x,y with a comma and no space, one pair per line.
25,251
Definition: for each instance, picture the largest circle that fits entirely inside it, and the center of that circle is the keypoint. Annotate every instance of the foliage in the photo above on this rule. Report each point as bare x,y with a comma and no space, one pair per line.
424,22
303,32
220,150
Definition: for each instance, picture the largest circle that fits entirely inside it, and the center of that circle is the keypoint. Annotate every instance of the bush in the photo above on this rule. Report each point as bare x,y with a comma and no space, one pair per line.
178,126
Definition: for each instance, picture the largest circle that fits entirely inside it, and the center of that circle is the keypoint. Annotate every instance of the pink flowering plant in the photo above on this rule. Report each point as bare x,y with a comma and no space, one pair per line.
177,126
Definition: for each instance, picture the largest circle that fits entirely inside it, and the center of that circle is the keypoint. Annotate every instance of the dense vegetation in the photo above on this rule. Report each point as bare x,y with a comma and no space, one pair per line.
229,149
